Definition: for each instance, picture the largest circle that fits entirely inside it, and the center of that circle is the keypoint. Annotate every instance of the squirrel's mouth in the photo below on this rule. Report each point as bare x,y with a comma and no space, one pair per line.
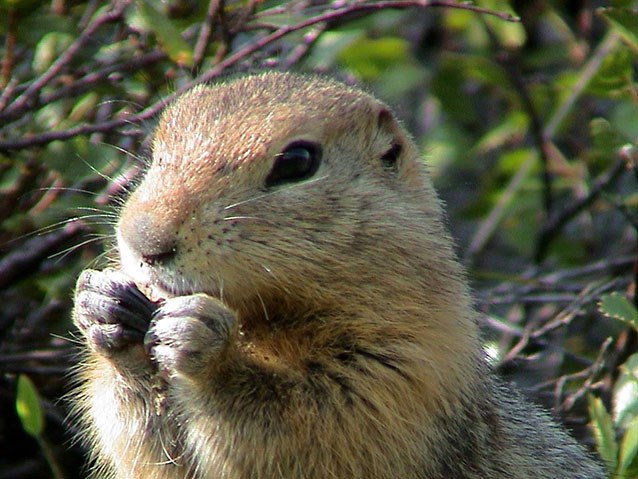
156,291
159,288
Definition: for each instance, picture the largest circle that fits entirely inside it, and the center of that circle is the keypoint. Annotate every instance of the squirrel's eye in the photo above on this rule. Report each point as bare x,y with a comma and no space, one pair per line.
298,161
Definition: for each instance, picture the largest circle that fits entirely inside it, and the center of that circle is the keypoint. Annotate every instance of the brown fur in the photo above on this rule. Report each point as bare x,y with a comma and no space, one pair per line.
335,336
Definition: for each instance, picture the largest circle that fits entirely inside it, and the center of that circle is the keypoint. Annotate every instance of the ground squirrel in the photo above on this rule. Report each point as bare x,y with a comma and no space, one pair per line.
286,303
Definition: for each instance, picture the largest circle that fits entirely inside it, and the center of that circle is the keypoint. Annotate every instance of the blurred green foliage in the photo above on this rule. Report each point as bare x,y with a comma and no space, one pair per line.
529,129
621,455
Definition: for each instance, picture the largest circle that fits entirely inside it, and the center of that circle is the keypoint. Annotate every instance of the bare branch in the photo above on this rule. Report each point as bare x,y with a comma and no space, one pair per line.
496,215
205,32
556,222
28,98
22,261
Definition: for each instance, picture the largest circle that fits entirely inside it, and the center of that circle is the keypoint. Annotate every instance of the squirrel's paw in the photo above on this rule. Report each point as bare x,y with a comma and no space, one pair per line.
110,311
188,333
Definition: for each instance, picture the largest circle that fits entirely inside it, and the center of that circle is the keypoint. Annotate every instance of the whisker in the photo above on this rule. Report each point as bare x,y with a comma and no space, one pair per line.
126,152
67,189
220,281
99,220
58,226
114,165
44,229
97,213
118,201
263,306
109,219
72,338
99,173
270,193
99,210
101,258
231,218
60,255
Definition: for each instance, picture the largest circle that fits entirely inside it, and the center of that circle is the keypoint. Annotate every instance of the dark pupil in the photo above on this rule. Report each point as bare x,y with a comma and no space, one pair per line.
295,163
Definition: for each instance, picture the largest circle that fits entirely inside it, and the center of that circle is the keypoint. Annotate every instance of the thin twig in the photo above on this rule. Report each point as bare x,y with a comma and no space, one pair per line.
332,15
609,42
510,63
21,262
9,45
590,373
8,92
555,223
590,293
242,53
205,32
489,226
90,80
27,98
302,49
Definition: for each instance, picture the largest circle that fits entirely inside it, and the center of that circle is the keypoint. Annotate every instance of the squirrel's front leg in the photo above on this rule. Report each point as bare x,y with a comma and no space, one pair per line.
188,336
113,315
122,398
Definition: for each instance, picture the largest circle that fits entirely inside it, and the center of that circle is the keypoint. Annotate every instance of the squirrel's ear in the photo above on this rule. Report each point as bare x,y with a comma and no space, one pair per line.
387,124
384,118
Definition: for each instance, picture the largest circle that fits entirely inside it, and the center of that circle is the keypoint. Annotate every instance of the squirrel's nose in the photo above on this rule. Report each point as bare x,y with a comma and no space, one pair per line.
151,229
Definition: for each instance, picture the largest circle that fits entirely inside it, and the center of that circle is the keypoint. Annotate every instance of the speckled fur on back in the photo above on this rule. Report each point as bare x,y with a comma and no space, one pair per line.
318,327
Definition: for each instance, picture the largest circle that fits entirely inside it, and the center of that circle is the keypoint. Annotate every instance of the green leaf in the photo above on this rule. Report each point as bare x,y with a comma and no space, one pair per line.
168,35
447,85
17,5
603,430
368,58
628,448
329,47
605,137
87,158
84,107
28,407
624,118
625,394
33,27
512,128
49,49
625,22
614,78
616,306
631,201
510,34
397,81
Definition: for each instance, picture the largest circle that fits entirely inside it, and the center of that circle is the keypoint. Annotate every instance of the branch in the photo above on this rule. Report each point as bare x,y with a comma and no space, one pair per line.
9,45
22,262
589,373
205,32
303,48
44,138
491,223
556,223
90,80
27,99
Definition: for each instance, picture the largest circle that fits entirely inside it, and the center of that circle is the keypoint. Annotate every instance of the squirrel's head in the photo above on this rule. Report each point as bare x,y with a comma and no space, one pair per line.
278,188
